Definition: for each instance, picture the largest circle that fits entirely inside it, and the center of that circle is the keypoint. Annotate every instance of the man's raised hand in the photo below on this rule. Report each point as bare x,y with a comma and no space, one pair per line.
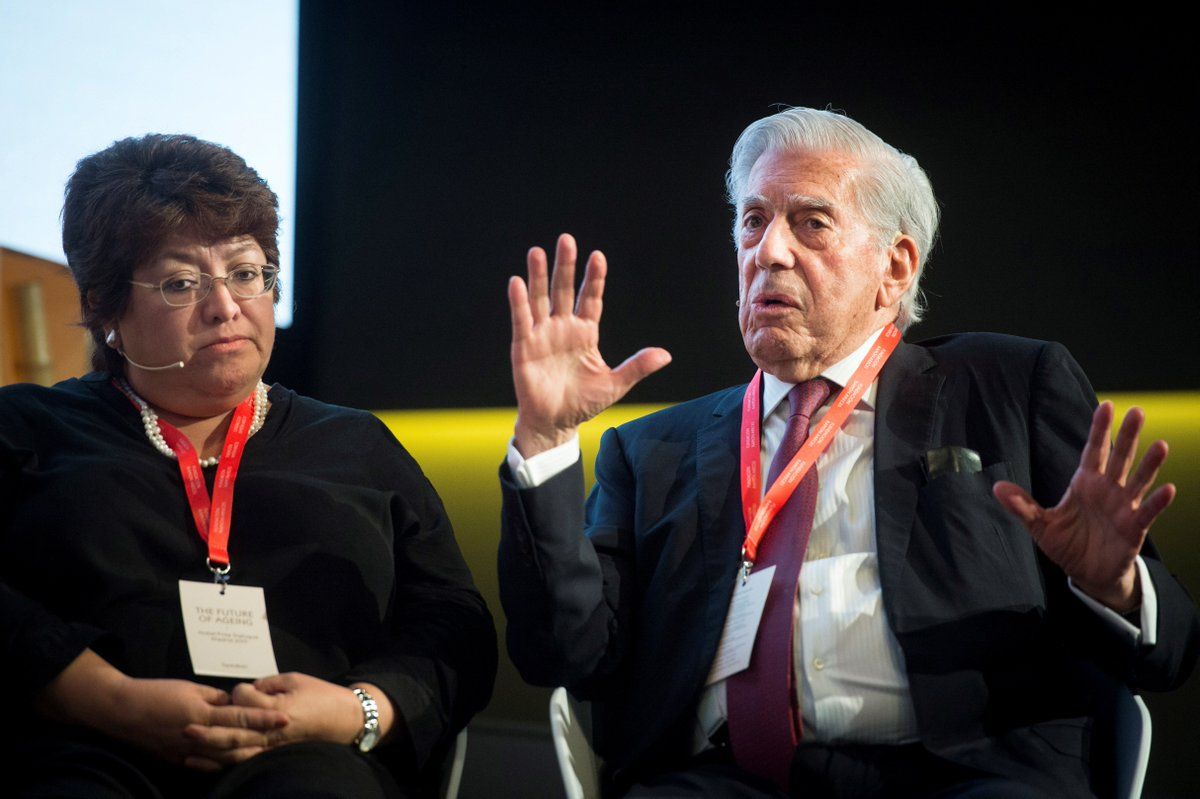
560,378
1097,529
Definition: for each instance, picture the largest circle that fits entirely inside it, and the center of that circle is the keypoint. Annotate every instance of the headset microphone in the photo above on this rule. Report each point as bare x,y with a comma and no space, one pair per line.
132,362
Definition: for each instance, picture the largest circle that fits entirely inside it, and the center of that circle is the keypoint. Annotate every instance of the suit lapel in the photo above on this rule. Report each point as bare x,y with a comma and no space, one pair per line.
720,509
905,423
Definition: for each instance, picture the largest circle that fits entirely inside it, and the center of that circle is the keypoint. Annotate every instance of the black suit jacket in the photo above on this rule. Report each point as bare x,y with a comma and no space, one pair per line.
1003,660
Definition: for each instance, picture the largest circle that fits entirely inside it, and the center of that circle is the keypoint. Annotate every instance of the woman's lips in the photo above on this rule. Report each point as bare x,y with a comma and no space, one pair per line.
227,344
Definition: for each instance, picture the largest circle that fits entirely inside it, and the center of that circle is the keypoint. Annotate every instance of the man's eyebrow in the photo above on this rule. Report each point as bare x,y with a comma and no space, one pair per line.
810,203
752,199
794,202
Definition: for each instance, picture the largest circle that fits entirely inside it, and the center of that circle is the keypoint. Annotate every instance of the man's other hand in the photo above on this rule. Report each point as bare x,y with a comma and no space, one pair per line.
1096,531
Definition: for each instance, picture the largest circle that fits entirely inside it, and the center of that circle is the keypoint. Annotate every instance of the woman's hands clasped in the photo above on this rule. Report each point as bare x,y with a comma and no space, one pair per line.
560,378
202,727
156,714
153,714
316,710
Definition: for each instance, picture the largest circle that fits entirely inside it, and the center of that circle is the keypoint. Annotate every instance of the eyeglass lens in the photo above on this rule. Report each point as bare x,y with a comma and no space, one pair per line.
245,282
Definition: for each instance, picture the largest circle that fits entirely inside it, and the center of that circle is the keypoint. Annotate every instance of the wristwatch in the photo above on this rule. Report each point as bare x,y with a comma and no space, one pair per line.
369,736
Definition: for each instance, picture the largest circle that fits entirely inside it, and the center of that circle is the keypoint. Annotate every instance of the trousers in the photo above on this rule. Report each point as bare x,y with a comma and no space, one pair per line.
70,769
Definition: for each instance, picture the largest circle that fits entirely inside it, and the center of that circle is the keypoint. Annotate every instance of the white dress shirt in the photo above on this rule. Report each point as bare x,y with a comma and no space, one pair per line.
848,664
849,669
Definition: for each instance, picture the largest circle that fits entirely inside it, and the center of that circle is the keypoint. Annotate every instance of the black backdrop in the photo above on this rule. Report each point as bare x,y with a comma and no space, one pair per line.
438,142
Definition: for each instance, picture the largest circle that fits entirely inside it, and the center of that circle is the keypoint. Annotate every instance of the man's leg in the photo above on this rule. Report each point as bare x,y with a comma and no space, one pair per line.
992,788
720,780
870,771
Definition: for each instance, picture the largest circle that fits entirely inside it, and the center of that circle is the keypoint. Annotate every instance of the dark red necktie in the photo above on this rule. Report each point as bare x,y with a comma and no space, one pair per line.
764,721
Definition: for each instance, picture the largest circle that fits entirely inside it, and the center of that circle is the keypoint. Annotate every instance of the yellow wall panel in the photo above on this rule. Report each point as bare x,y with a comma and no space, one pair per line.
461,450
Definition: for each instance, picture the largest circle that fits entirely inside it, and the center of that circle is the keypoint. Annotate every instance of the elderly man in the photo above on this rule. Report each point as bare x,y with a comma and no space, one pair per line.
881,568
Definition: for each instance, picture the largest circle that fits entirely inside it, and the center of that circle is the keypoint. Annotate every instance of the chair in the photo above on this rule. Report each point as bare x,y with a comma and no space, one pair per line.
1128,743
453,767
577,760
1131,745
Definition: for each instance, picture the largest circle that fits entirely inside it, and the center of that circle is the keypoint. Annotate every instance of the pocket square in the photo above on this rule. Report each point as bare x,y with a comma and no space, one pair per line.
948,460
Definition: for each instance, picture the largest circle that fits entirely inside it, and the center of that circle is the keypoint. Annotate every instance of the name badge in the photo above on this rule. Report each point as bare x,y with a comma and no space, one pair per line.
227,632
741,625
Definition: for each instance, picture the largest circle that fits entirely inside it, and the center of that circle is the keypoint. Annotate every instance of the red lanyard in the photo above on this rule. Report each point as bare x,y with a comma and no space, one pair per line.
212,517
758,510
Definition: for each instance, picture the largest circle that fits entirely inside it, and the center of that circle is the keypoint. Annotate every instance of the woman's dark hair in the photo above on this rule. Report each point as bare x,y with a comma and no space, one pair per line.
123,203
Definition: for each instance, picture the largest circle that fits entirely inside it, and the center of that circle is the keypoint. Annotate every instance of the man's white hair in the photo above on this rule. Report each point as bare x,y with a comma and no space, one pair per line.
892,191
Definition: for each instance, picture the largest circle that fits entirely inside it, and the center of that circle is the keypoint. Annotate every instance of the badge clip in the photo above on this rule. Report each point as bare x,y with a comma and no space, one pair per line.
220,574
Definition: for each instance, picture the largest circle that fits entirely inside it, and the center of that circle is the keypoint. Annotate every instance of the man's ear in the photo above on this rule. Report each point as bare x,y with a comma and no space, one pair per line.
900,271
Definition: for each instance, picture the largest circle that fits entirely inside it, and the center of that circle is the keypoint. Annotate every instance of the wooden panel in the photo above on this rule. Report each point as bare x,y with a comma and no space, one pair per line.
66,343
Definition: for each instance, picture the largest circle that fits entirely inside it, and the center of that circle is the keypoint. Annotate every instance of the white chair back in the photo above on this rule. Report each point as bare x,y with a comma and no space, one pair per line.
452,780
573,747
1132,745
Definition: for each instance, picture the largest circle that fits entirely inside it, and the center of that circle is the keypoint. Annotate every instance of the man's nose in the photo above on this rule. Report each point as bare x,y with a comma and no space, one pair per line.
774,249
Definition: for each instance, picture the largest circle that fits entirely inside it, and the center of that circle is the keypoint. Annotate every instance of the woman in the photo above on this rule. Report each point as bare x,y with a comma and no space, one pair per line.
119,556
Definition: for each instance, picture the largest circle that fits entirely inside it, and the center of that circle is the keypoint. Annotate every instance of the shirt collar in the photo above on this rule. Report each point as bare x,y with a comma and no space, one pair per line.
775,390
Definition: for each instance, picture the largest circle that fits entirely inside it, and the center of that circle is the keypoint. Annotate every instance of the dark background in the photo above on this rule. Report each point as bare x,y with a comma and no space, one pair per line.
438,142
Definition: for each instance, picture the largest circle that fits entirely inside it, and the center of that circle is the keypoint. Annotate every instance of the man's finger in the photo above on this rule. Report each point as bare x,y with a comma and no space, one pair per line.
562,282
201,763
1125,448
1017,501
518,306
591,294
1146,471
641,364
539,300
1095,452
1153,505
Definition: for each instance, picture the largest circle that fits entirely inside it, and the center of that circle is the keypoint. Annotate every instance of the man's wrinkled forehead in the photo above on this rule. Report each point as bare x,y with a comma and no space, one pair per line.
790,203
801,180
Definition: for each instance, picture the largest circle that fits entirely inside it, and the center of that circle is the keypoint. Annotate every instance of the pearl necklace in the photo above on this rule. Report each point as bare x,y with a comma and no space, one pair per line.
150,419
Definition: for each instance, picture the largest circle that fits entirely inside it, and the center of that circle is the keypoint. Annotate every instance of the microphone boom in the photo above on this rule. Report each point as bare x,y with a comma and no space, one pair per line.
132,362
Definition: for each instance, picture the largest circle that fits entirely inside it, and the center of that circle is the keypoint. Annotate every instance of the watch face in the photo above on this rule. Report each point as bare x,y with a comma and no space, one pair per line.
369,739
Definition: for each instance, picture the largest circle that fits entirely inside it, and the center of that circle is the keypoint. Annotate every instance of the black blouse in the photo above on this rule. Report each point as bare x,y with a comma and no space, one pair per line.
331,517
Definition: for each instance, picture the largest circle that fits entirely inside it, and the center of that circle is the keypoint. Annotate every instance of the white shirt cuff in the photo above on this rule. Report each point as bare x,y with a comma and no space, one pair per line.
533,472
1148,634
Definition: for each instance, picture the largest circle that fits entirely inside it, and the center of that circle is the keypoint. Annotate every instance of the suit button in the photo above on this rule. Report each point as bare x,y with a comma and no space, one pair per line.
816,590
818,664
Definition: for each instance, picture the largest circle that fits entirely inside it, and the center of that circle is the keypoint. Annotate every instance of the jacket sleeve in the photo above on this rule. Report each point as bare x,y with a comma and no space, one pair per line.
35,645
567,593
436,660
1060,413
